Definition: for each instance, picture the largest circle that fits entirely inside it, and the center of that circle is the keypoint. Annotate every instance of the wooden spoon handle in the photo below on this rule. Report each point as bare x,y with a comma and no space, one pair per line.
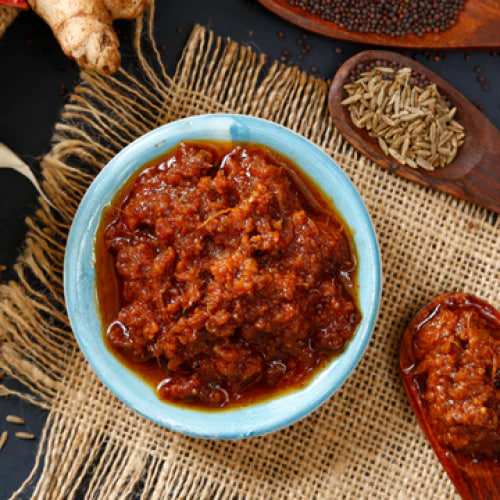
482,184
479,181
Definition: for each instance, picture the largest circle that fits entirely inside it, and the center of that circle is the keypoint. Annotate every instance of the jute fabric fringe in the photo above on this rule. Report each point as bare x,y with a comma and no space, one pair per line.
364,442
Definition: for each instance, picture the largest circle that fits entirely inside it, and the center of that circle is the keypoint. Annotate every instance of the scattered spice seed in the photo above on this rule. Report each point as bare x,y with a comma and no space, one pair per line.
281,34
300,57
389,17
285,52
338,50
250,33
414,124
486,87
179,29
300,41
3,268
477,69
3,439
24,435
13,419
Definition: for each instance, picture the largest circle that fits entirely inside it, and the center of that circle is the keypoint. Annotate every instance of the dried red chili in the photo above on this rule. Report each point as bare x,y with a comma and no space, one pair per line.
20,4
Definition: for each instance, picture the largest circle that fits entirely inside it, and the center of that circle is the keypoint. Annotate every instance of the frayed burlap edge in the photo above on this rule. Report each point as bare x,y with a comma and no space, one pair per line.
365,442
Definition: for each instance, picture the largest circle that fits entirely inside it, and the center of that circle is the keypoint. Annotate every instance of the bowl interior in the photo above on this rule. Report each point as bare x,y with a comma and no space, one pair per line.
79,277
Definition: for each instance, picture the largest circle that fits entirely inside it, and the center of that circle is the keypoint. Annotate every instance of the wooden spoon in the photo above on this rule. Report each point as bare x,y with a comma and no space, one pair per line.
473,479
474,175
476,27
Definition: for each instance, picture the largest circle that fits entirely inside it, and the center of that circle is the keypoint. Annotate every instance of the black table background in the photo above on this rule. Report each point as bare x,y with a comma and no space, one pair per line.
33,68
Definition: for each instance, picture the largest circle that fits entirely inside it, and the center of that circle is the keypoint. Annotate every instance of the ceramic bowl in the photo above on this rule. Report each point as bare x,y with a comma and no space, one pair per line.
80,293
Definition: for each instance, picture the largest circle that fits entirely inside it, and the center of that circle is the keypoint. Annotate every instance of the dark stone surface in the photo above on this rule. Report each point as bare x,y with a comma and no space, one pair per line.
33,68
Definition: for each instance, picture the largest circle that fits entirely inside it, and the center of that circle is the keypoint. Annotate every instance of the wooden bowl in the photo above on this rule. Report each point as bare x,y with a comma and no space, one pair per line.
474,175
478,26
474,479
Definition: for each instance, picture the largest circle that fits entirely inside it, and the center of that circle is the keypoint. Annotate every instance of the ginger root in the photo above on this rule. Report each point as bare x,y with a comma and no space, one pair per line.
84,28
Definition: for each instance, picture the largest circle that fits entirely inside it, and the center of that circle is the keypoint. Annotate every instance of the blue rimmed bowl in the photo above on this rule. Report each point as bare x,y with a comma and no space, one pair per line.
80,293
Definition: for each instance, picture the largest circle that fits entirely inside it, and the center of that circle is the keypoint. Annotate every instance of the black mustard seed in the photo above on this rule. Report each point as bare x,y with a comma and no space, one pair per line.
389,17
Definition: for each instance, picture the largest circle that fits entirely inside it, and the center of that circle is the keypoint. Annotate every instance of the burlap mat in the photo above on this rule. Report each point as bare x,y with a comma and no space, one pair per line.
7,15
364,442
